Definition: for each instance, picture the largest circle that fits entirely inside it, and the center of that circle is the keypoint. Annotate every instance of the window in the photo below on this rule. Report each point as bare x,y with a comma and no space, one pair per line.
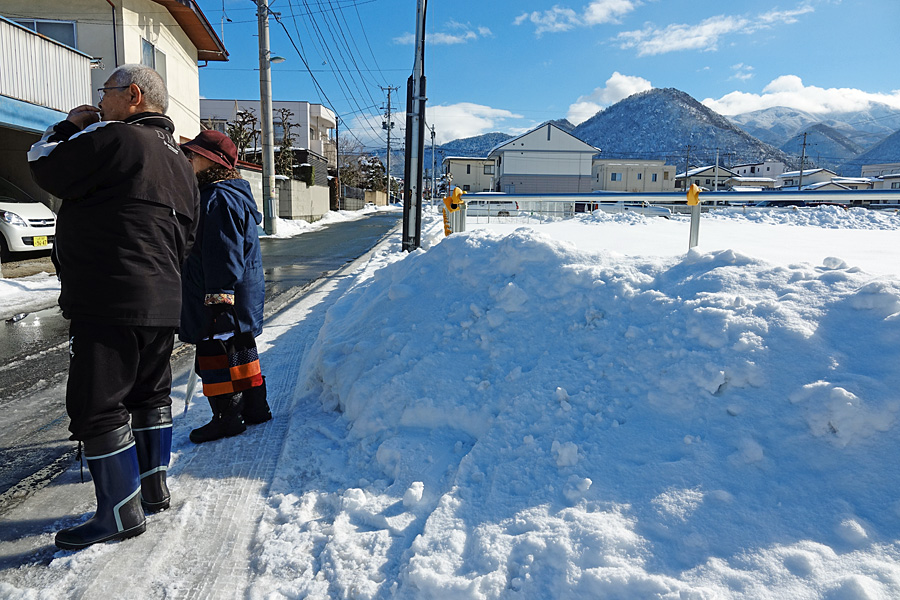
707,182
895,185
653,177
152,57
615,177
640,176
468,169
466,188
665,176
488,170
61,31
753,169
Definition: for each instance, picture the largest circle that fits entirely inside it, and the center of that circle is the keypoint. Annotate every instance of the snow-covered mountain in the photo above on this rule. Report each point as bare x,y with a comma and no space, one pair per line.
778,124
478,145
886,151
661,123
825,147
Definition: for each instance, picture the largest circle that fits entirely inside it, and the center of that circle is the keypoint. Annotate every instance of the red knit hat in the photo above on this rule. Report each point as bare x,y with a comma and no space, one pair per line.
214,145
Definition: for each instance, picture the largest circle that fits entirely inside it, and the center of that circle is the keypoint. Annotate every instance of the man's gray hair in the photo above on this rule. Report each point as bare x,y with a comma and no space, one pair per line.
153,88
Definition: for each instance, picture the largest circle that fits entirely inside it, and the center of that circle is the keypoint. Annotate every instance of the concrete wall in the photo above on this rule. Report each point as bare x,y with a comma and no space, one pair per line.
296,200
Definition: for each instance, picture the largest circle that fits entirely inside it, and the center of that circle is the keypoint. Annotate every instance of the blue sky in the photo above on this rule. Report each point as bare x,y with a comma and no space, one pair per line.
508,65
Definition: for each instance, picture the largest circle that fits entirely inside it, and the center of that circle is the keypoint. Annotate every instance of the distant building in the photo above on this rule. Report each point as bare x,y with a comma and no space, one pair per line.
314,124
791,179
887,182
544,160
853,183
747,184
767,168
879,170
470,174
708,177
627,175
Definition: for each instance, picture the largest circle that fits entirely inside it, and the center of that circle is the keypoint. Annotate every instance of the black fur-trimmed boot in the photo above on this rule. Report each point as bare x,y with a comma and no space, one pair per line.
153,438
226,422
256,407
112,461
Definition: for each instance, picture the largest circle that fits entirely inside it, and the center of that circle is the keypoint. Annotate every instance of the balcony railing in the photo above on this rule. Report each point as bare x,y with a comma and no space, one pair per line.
41,71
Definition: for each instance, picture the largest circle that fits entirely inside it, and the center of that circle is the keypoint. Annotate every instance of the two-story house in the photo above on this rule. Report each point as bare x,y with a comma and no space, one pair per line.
632,175
54,55
709,177
313,125
544,160
470,174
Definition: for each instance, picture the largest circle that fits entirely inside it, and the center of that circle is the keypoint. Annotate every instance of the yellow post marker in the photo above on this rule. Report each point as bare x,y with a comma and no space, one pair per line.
452,203
693,200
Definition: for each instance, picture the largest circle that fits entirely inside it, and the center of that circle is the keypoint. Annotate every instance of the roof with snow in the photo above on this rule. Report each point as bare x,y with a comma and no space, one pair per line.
587,147
789,174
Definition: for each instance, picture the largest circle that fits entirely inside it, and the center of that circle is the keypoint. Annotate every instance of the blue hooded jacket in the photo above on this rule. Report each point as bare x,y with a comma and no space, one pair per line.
225,259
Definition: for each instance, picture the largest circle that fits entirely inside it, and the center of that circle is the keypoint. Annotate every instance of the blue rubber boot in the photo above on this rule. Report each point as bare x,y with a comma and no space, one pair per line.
153,438
112,461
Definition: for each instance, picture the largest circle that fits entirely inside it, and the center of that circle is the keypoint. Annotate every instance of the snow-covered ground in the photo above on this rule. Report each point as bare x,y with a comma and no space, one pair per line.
576,409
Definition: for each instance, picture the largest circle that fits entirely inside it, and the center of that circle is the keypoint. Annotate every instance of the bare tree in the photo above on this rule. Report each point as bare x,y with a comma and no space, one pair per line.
284,162
244,131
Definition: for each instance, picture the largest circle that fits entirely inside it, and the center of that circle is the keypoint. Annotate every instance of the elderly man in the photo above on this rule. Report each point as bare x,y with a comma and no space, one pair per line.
129,211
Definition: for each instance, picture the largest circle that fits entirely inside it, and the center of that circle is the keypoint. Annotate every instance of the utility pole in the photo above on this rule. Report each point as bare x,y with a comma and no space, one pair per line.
388,124
415,140
687,166
716,181
270,211
432,164
802,159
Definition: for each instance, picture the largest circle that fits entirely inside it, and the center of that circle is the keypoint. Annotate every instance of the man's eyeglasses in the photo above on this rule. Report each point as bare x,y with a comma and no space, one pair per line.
103,90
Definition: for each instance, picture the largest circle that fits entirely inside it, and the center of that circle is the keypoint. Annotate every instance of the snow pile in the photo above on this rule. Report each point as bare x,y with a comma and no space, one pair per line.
829,217
527,419
27,294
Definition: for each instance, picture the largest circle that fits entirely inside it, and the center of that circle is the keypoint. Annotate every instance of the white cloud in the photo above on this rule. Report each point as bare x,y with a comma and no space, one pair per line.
459,33
742,72
560,18
617,87
465,119
789,91
704,36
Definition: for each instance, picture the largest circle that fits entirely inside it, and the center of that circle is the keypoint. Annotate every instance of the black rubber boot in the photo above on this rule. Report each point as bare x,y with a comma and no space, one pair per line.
112,461
153,438
226,421
256,408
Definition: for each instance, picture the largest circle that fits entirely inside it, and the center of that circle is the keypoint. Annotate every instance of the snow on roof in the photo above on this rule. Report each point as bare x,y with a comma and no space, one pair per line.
518,137
805,172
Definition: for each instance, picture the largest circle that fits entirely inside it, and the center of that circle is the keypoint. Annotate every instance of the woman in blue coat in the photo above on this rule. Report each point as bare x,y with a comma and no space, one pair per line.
223,270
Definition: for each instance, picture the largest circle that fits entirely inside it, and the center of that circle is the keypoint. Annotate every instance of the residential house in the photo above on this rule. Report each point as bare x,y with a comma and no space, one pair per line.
749,184
543,160
632,175
470,174
880,169
853,183
314,125
887,182
54,55
767,168
791,180
709,177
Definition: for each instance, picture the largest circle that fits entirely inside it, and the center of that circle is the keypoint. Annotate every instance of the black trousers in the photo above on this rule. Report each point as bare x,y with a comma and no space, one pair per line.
114,370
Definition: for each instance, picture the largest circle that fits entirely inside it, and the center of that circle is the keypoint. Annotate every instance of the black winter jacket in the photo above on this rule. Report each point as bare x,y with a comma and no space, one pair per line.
130,208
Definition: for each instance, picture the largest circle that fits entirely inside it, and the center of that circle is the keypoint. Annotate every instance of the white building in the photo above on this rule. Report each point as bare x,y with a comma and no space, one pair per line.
632,175
709,177
470,174
543,160
314,123
768,168
887,182
792,179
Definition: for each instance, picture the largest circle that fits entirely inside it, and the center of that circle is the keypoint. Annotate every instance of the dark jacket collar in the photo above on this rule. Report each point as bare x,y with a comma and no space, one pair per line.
153,119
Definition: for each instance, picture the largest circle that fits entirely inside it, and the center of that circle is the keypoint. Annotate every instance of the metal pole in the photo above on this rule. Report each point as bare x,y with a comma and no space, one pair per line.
270,206
415,140
432,164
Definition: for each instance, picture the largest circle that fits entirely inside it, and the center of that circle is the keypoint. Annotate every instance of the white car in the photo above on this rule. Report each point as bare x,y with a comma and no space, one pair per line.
25,223
642,208
492,206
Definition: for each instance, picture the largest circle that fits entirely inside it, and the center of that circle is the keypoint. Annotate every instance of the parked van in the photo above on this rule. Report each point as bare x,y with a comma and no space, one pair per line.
494,205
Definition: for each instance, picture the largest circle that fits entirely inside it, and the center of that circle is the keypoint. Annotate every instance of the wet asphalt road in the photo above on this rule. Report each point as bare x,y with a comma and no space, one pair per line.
34,444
